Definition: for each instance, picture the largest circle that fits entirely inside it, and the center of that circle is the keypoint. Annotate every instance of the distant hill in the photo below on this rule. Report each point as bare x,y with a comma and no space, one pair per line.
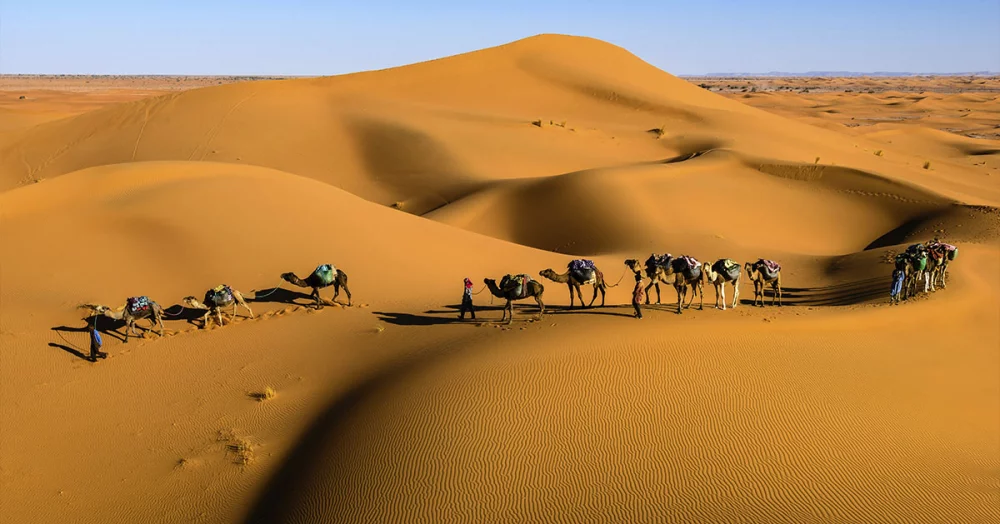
840,74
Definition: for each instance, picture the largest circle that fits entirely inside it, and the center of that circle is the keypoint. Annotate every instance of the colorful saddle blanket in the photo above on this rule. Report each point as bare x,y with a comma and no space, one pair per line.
692,263
582,265
769,268
326,273
137,304
222,295
940,250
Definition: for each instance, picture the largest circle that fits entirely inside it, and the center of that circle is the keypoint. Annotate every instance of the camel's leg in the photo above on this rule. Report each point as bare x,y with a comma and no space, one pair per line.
218,316
604,291
777,290
510,308
346,291
596,290
701,305
571,297
204,319
319,301
736,293
680,297
720,289
243,303
541,306
944,271
651,284
579,293
128,326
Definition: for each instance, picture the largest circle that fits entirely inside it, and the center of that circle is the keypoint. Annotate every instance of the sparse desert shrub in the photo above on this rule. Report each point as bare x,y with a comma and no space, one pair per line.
397,205
267,394
927,165
657,131
20,97
379,328
537,123
816,161
878,153
241,447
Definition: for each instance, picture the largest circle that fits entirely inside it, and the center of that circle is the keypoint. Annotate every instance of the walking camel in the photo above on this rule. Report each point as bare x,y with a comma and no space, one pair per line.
720,273
764,273
682,272
135,308
656,269
579,273
516,287
215,300
323,276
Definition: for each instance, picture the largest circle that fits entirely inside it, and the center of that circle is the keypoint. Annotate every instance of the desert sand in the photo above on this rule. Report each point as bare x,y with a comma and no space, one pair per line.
833,408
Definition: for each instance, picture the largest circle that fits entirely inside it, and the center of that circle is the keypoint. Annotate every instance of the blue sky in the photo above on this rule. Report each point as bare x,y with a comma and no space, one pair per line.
299,37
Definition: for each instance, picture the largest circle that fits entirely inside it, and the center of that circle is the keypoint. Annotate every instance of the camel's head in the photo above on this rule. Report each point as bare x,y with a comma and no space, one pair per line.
750,269
547,273
192,302
288,277
632,264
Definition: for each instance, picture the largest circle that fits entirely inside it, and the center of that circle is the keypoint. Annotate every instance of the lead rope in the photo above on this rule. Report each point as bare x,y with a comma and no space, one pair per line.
620,278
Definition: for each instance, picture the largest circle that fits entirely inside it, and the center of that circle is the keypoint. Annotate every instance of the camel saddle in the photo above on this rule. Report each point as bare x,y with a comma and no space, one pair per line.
326,273
137,304
222,295
655,261
581,265
584,270
768,268
728,268
516,283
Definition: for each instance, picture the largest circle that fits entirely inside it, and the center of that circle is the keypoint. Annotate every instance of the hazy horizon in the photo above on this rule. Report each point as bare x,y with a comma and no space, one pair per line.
304,38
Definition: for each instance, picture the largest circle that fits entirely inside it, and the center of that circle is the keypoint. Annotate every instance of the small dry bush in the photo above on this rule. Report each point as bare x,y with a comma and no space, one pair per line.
878,153
267,394
927,165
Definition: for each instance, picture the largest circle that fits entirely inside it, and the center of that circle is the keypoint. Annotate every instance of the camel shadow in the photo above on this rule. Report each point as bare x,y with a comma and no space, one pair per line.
280,295
105,326
845,294
181,312
595,310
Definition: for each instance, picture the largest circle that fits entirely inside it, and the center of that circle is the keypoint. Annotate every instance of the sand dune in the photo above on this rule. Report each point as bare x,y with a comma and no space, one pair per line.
505,160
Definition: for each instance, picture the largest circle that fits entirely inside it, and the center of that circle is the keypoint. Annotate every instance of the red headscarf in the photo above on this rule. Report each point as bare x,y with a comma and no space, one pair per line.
468,283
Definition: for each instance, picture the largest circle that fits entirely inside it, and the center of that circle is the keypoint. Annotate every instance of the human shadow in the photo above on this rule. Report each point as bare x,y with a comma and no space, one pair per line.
104,325
71,351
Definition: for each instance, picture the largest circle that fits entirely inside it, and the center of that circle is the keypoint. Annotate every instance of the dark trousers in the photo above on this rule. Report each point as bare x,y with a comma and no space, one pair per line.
95,351
638,312
467,306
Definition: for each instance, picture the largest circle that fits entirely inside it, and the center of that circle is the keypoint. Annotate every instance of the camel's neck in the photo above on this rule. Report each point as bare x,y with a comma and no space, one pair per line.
562,278
115,315
494,289
294,279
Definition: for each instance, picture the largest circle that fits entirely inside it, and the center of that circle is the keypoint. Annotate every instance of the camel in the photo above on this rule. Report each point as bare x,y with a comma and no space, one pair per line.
760,274
687,275
940,255
579,273
718,274
917,256
215,299
135,308
656,271
675,271
509,290
323,276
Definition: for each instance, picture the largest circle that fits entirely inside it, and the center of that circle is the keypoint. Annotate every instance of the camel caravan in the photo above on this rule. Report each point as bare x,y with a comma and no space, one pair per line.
925,264
921,263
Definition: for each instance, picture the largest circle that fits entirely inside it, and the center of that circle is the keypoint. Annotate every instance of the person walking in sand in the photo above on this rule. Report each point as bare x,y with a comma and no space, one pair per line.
898,276
467,302
638,295
95,344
